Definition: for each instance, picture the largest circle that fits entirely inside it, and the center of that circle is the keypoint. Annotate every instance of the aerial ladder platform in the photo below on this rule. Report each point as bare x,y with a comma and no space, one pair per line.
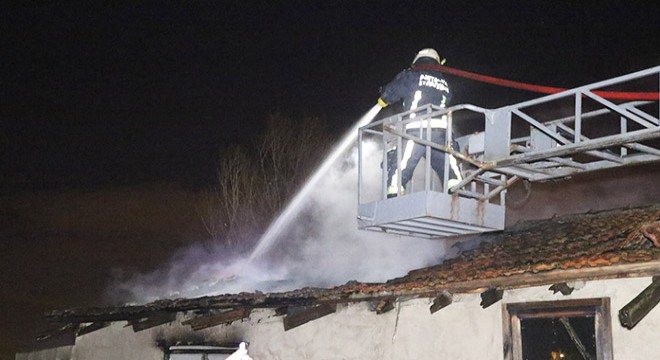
549,138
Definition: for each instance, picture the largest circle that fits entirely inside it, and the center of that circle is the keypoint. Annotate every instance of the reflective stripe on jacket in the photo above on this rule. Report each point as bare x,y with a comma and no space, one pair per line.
416,88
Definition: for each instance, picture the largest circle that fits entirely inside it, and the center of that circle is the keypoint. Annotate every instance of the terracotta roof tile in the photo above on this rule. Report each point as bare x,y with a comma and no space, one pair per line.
572,241
592,240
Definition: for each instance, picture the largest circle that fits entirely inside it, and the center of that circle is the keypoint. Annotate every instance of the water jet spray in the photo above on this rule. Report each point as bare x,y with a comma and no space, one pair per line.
275,229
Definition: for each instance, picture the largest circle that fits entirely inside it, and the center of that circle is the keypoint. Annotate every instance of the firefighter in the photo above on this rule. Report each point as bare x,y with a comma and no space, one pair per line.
415,88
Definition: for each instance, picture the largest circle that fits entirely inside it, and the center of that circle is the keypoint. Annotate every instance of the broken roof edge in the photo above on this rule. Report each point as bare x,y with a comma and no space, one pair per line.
353,293
612,246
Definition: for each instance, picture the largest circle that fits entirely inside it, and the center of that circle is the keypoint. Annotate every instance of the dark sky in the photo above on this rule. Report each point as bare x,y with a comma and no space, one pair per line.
102,94
96,96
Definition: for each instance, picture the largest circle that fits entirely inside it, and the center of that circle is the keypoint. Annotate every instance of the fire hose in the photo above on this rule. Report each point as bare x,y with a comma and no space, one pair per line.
535,88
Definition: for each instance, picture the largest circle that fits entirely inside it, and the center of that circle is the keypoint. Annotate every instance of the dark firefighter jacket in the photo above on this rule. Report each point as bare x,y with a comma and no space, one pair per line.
430,84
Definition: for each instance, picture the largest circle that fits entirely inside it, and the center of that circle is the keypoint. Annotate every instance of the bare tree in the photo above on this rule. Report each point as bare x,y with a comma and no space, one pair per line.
288,153
252,186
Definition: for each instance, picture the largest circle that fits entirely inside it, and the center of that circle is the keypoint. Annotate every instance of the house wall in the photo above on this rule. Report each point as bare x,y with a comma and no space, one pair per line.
60,353
463,330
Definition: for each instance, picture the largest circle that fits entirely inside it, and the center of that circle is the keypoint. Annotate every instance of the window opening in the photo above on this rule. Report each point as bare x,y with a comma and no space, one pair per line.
199,352
558,330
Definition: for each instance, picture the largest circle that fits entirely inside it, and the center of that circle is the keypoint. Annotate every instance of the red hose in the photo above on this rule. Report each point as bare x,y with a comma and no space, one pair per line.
536,88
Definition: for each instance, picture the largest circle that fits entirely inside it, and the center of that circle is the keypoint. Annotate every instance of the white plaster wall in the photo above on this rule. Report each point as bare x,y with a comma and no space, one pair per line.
328,340
463,330
59,353
117,342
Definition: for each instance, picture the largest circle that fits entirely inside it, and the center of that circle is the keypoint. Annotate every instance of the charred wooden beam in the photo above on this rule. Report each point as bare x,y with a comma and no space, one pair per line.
652,232
97,315
88,315
563,288
441,301
384,306
83,330
280,311
575,337
61,336
55,341
151,321
136,312
299,316
226,317
636,310
490,297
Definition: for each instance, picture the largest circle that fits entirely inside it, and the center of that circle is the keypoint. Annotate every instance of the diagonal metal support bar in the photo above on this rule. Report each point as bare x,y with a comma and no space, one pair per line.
522,170
634,146
557,137
500,188
558,160
605,156
541,127
643,148
591,114
644,115
468,179
469,194
568,162
619,109
433,145
640,135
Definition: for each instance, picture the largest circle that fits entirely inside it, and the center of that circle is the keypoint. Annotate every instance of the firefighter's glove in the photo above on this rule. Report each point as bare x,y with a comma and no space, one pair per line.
382,102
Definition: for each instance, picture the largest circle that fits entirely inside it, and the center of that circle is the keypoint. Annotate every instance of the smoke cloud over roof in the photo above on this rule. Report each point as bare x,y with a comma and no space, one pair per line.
320,247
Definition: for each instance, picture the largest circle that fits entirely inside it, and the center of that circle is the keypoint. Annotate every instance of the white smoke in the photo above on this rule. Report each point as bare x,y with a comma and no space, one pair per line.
320,247
337,251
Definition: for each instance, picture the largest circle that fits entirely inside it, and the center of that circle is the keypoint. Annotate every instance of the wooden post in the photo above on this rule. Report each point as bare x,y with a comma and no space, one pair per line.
490,297
441,301
151,321
384,306
636,310
226,317
92,327
300,316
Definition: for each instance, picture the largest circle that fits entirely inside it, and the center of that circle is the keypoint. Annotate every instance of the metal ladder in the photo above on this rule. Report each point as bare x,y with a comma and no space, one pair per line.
552,137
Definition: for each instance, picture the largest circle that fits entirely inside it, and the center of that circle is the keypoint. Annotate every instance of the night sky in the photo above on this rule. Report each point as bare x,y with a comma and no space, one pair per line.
147,91
95,98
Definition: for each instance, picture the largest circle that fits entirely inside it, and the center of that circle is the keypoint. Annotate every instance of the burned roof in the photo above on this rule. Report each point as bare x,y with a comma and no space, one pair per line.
598,245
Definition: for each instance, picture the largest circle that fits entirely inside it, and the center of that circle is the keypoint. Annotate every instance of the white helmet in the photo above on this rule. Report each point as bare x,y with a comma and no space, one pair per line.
428,52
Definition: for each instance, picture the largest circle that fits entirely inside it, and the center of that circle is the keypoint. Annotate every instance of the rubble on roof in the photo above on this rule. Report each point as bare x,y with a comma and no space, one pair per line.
531,253
652,231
